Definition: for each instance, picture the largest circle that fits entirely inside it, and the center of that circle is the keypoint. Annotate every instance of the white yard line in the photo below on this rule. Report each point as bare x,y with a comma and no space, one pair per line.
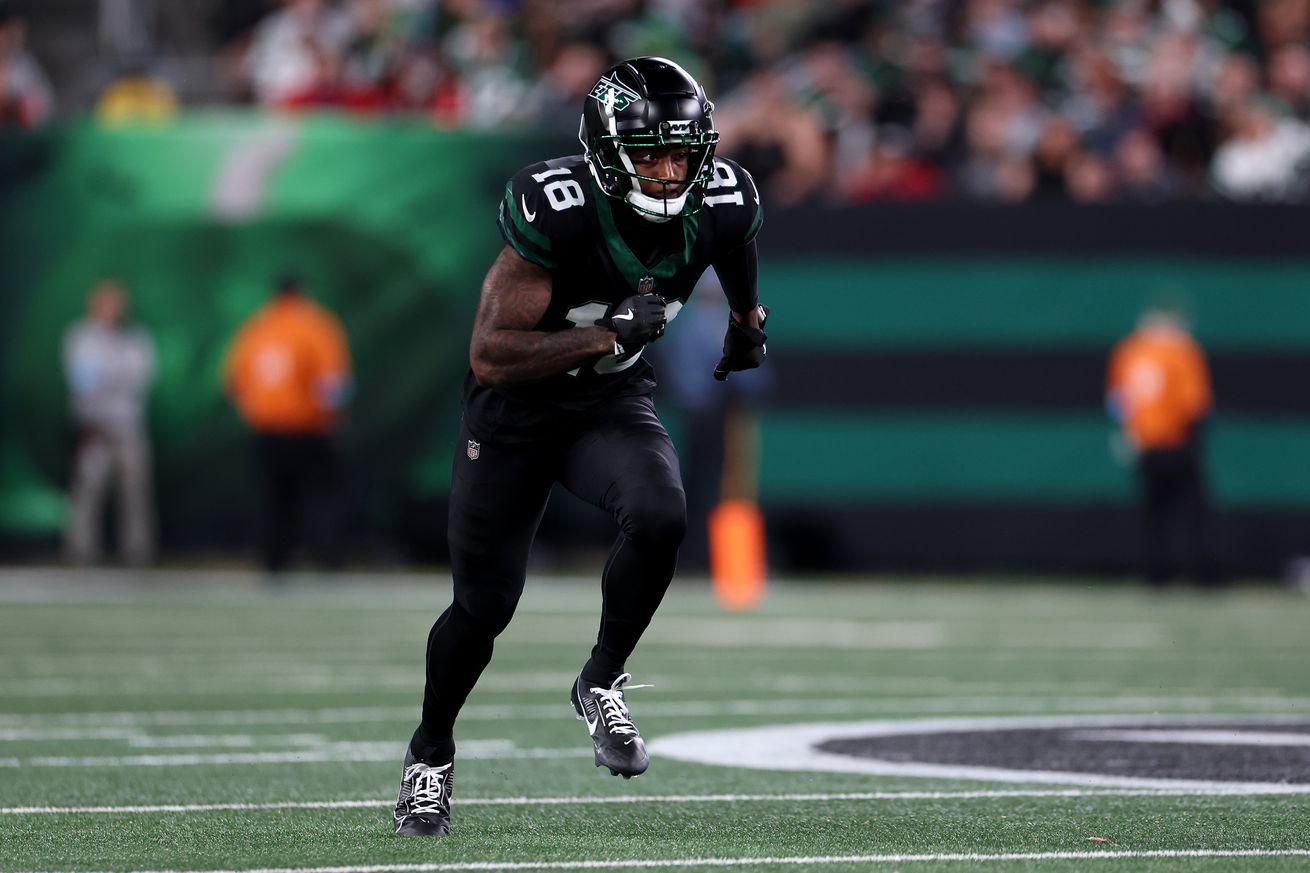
598,800
789,861
140,739
345,752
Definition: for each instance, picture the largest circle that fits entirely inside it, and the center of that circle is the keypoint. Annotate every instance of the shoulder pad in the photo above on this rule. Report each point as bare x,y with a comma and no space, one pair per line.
540,212
734,201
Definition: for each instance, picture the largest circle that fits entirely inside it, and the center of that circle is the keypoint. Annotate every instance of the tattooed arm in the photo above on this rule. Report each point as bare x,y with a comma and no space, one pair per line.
507,348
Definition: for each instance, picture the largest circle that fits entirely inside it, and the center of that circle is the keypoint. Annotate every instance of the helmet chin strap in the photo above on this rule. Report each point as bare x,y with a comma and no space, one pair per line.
656,209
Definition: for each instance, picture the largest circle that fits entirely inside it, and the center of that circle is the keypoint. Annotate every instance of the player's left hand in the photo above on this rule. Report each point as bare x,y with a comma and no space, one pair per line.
743,347
636,320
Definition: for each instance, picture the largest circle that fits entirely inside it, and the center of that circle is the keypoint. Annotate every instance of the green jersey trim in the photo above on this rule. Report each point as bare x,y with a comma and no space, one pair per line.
755,225
630,265
536,237
511,226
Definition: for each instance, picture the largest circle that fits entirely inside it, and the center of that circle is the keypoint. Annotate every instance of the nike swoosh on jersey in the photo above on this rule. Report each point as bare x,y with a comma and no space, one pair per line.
527,213
625,317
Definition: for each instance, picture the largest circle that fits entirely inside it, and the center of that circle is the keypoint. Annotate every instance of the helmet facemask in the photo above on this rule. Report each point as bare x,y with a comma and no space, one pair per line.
679,196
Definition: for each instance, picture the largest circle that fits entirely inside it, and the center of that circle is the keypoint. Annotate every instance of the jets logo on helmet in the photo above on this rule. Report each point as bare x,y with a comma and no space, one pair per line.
614,94
649,104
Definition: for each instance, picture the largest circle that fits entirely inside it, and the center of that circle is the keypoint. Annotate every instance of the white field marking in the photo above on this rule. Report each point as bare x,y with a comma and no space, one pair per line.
795,747
771,633
282,684
348,752
104,678
1198,737
789,861
225,741
597,800
822,633
369,592
139,739
35,734
1039,704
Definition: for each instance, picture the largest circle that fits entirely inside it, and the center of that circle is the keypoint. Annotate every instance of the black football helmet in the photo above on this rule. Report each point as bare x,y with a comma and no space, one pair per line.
649,103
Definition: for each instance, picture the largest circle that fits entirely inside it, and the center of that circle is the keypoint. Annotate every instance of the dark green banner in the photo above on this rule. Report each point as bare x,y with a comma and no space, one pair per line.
392,224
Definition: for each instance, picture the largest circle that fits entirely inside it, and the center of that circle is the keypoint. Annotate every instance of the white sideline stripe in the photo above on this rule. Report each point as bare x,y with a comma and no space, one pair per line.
600,800
641,863
330,753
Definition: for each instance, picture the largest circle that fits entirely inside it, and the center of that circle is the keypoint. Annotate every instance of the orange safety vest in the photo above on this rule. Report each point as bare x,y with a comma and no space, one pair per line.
1159,379
284,365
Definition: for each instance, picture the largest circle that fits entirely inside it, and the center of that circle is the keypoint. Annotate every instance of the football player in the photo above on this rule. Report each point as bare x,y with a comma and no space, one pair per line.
602,250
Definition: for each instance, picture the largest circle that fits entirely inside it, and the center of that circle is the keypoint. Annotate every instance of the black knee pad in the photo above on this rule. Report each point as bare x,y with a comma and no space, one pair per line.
656,515
487,610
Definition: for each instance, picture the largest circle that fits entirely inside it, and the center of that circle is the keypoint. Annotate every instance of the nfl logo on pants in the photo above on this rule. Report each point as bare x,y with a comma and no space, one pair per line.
474,449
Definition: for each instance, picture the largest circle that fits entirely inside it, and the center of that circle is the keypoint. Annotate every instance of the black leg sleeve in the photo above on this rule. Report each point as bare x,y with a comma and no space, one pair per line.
496,502
625,464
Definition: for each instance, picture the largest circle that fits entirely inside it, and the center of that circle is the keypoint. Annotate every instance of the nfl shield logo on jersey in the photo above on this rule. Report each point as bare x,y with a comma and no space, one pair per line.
646,285
474,449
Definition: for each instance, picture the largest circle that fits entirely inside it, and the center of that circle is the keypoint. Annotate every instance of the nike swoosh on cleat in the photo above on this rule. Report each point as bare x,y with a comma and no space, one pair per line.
527,213
627,316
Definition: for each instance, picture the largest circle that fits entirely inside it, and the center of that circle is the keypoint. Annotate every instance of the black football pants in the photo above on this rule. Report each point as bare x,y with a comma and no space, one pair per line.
300,486
1176,506
618,458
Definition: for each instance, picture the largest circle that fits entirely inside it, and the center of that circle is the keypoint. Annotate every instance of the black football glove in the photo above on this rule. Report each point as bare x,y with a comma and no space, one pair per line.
636,320
743,347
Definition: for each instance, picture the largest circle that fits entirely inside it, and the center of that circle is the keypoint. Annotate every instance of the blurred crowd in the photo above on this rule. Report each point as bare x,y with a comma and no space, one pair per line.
834,100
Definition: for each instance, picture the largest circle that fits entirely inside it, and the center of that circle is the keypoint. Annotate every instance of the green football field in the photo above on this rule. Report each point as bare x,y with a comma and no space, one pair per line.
199,721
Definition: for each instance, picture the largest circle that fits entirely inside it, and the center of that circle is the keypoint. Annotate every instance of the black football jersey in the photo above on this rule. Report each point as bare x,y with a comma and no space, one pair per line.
599,251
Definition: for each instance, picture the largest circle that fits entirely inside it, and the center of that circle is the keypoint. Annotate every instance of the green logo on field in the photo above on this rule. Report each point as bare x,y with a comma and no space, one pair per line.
609,90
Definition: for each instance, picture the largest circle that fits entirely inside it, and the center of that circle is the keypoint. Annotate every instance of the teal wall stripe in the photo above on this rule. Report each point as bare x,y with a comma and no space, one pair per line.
1060,459
1029,301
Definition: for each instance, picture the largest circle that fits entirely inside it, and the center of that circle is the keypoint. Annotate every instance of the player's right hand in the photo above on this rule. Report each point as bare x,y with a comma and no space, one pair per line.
743,347
636,320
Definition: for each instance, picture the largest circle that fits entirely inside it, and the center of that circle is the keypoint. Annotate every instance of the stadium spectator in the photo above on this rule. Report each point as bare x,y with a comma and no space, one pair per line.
109,364
136,96
1289,80
293,53
778,140
563,85
1143,175
894,172
1089,178
25,96
993,170
493,70
1264,158
1056,147
1158,390
937,122
288,372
